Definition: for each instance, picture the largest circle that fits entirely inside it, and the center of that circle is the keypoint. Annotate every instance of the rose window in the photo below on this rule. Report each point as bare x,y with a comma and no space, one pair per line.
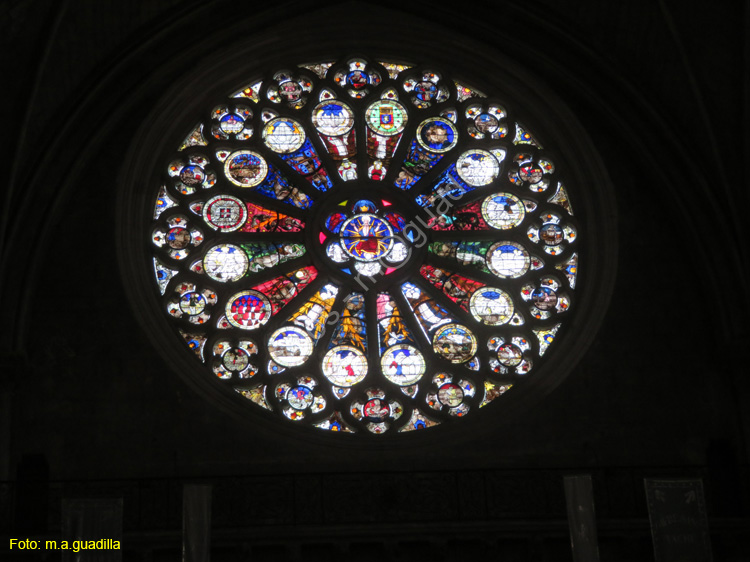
364,246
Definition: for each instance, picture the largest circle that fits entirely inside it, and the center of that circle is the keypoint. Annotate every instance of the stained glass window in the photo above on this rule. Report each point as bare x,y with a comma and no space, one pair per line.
364,246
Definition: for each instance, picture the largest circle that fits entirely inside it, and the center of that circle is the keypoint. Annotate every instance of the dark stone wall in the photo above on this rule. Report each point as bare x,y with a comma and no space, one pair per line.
660,91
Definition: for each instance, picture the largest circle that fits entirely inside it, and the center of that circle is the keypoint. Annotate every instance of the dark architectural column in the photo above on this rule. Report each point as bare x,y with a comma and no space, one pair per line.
579,496
196,523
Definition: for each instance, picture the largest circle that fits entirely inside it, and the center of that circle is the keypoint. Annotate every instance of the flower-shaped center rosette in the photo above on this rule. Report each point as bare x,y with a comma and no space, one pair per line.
545,298
300,398
449,395
376,410
177,238
234,359
486,121
357,78
290,88
426,89
231,122
554,235
192,303
366,239
188,176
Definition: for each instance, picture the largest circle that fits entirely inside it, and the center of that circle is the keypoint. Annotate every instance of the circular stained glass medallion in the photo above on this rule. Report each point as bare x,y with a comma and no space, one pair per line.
192,176
551,234
366,237
300,397
477,167
231,123
178,238
290,346
344,365
248,310
403,365
224,213
369,236
450,394
225,263
333,118
437,134
455,343
491,306
509,355
503,211
283,135
245,168
192,303
508,259
376,409
235,360
386,117
486,123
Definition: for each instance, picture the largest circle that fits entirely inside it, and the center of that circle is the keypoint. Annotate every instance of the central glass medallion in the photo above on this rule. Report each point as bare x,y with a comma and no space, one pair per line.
367,238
